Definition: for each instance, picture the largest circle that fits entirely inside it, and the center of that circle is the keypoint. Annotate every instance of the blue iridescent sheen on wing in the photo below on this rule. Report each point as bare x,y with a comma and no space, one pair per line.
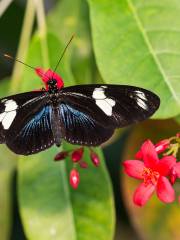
36,134
71,117
79,128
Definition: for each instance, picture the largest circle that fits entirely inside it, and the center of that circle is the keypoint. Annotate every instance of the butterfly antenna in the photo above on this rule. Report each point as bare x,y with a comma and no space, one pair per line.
62,55
17,60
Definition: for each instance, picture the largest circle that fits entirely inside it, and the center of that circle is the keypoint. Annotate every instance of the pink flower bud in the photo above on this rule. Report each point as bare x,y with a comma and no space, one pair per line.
61,155
77,154
95,159
74,178
178,135
83,164
162,146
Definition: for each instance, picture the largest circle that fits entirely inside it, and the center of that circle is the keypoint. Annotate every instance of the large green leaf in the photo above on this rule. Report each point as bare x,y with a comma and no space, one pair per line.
72,16
49,208
7,168
138,43
155,220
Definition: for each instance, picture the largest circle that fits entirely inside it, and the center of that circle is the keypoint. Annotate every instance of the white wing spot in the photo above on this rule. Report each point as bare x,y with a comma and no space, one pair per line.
140,95
104,103
7,117
141,103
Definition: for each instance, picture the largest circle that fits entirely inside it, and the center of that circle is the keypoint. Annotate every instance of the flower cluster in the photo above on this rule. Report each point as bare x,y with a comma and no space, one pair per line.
77,159
157,174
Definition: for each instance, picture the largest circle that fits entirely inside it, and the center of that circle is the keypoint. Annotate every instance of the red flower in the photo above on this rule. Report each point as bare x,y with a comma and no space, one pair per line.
61,155
74,178
94,158
83,164
77,154
153,173
47,75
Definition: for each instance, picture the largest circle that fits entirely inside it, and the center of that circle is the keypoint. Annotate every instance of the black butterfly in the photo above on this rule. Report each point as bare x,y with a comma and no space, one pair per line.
83,114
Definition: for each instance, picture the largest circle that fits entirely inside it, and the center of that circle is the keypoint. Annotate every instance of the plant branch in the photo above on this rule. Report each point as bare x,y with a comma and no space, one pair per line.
23,45
42,31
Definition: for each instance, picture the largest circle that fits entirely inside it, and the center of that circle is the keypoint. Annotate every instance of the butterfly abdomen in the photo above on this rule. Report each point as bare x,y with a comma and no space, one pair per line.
56,126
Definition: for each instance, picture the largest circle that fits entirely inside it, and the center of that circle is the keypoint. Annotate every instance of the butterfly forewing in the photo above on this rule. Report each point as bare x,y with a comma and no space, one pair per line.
112,105
25,122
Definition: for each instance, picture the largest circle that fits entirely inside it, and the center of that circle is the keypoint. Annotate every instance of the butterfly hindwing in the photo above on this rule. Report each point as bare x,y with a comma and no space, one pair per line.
79,128
112,106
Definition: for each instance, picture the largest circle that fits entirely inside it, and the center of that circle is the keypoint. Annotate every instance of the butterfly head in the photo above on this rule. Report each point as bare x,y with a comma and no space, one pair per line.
51,79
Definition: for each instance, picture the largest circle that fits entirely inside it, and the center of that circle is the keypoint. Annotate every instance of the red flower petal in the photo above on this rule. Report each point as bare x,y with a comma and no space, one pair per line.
165,191
143,194
150,156
139,155
172,176
162,145
176,168
134,168
165,164
39,71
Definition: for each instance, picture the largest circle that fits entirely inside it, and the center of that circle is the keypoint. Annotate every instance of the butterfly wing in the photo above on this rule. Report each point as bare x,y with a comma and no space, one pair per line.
25,122
112,106
89,113
78,127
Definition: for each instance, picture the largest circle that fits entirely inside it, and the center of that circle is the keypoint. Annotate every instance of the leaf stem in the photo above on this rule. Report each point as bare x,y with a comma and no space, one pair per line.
23,45
42,31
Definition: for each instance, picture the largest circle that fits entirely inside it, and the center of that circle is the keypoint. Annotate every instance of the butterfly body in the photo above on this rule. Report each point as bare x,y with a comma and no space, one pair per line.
83,114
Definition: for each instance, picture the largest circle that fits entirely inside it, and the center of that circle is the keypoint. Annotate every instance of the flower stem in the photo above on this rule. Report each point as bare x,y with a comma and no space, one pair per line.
42,31
23,45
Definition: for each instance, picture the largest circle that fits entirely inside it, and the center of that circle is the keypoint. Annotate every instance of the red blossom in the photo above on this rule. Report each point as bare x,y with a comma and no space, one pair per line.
48,75
83,164
94,158
61,155
74,178
77,154
153,172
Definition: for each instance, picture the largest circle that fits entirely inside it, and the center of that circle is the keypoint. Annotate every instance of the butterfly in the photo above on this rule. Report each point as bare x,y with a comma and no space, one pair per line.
82,114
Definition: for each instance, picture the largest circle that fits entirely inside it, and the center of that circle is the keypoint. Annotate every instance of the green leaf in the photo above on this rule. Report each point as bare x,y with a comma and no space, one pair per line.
49,208
155,220
7,168
138,43
72,16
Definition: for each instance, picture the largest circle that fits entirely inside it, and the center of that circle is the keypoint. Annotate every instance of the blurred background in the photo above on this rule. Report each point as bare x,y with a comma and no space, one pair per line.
121,42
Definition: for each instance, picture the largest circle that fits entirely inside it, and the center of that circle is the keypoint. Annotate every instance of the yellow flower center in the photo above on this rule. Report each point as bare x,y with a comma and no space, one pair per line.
150,176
